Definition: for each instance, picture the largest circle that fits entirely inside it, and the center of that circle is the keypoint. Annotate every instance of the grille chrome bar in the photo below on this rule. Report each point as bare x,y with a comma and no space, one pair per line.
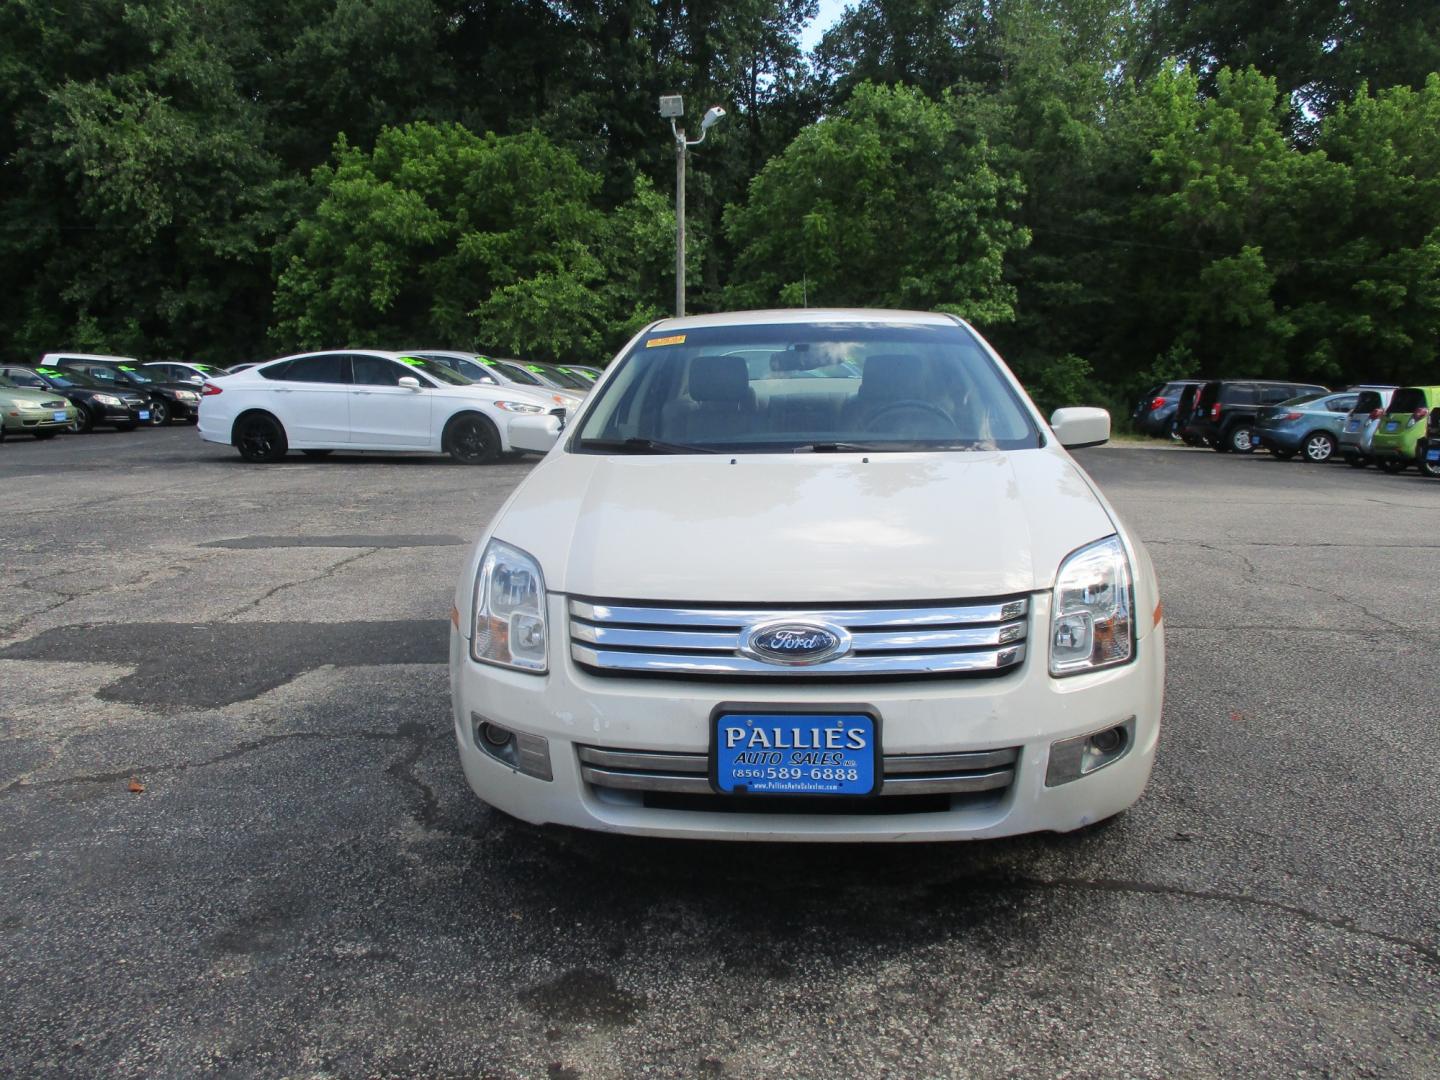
920,615
960,773
701,642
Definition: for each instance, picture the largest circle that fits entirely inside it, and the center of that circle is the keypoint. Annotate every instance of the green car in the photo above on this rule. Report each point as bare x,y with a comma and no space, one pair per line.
42,413
1400,440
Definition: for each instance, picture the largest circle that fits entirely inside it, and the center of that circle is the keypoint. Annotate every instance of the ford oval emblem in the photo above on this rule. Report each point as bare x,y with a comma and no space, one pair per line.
794,642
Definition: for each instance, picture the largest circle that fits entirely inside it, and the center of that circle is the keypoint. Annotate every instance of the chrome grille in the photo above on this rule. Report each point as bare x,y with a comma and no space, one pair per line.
961,773
696,642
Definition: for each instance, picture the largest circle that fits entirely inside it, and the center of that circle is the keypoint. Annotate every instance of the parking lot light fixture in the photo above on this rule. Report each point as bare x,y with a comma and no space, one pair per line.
672,108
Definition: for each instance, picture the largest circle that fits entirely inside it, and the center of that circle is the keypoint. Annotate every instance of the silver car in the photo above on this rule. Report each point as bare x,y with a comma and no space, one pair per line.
1362,422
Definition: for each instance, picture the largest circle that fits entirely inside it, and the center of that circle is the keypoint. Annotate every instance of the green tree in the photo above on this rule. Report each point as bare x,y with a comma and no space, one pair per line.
887,204
439,234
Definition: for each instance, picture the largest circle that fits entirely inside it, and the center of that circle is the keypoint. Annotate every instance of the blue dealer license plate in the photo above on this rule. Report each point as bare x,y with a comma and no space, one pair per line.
60,416
794,754
1432,455
144,414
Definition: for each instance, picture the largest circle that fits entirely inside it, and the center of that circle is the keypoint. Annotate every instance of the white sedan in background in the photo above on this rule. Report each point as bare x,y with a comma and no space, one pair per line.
362,399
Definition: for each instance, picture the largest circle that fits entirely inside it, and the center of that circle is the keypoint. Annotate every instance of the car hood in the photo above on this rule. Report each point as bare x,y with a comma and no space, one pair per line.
803,528
29,395
534,395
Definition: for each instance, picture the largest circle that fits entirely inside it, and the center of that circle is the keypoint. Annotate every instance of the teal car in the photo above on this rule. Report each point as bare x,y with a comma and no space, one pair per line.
1400,441
1309,425
25,411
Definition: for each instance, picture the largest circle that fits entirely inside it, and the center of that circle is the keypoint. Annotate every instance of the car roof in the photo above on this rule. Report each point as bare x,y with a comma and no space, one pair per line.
101,357
802,315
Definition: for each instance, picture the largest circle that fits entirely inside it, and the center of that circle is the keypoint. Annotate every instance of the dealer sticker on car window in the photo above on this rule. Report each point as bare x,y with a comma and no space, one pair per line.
673,339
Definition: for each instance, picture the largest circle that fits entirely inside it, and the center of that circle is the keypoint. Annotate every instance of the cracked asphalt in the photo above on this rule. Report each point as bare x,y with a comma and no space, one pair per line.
305,886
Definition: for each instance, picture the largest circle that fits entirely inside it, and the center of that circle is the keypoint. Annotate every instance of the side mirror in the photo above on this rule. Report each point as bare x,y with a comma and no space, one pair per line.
1079,427
536,434
408,382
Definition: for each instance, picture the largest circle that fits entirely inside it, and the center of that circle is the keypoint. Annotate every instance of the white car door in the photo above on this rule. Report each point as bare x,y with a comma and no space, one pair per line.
383,414
311,396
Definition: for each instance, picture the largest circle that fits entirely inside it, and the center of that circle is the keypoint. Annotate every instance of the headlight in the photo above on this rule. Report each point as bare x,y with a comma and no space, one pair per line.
187,395
1091,622
509,627
107,399
518,406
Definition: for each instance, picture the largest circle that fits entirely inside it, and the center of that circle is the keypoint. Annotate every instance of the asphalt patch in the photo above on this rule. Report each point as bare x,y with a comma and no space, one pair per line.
343,540
205,665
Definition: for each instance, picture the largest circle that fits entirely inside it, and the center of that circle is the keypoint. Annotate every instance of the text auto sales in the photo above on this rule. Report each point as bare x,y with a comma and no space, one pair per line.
813,746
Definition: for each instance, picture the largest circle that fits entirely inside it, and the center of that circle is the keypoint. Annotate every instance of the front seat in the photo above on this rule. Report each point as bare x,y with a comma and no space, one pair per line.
886,379
724,402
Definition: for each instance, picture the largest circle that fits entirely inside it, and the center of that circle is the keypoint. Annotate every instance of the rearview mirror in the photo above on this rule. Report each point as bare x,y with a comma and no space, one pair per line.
408,382
1080,427
536,434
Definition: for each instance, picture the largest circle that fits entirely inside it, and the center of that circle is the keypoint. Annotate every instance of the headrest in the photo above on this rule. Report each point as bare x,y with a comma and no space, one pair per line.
893,377
719,378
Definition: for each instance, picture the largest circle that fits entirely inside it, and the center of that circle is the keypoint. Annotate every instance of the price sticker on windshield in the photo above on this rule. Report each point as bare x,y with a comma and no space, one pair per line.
673,339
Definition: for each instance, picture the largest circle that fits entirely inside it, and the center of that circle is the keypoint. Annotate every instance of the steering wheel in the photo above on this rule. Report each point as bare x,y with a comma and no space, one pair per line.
914,405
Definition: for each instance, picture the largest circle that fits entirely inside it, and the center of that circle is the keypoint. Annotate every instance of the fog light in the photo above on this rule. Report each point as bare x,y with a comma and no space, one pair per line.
1071,759
529,754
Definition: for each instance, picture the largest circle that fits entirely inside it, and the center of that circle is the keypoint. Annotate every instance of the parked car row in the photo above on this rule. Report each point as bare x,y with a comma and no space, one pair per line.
1391,426
446,401
84,391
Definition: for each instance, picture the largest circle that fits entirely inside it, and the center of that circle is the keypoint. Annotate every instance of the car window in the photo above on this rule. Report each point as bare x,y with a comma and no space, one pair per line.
1407,400
1344,403
330,368
475,372
437,373
25,378
1302,399
374,371
1274,395
1369,401
129,373
920,386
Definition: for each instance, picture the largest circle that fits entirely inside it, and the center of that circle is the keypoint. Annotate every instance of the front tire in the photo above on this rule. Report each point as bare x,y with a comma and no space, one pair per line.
471,439
260,438
84,419
1319,447
1237,440
159,414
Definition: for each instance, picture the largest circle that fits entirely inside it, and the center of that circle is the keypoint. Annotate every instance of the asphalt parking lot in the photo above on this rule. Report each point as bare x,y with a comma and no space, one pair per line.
305,886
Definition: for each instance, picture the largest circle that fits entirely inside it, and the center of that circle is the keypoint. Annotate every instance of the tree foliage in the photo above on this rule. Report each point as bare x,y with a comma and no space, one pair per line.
1116,190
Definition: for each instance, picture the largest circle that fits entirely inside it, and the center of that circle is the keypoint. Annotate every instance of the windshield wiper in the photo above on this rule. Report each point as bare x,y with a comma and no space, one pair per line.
643,446
837,448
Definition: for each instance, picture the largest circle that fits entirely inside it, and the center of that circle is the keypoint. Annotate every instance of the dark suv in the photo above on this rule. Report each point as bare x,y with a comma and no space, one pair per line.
1226,408
1157,413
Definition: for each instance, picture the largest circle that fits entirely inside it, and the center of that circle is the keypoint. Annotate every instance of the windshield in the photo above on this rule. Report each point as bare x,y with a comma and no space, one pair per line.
516,373
822,387
567,379
1302,399
66,377
438,372
122,373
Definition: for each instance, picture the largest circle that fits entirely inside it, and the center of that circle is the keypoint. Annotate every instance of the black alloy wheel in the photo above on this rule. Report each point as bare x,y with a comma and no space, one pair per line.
472,440
1319,447
260,438
84,418
159,412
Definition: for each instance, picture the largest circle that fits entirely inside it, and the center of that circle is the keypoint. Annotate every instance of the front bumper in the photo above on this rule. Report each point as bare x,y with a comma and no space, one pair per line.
25,421
1024,709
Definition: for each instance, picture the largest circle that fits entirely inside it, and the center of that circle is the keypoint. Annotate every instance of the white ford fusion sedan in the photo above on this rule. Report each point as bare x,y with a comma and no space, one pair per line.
808,575
361,399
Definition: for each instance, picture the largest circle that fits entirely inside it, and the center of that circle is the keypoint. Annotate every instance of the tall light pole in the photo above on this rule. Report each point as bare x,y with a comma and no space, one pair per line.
672,108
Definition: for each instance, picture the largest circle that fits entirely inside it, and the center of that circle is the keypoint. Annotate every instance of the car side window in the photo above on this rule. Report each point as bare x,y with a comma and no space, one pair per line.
26,378
374,371
332,368
1274,395
1343,404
